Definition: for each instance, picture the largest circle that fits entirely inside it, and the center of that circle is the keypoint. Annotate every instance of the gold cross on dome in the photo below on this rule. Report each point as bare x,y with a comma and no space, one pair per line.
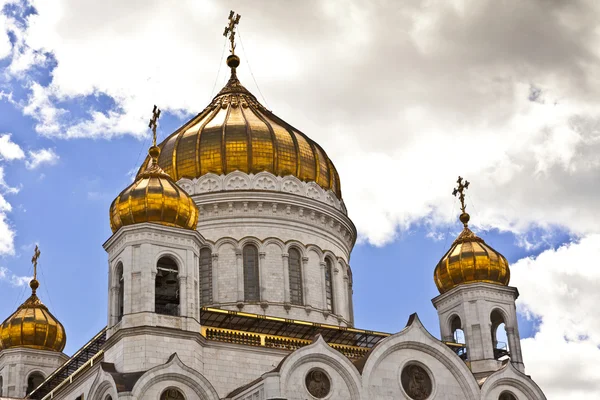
460,190
34,259
234,19
152,125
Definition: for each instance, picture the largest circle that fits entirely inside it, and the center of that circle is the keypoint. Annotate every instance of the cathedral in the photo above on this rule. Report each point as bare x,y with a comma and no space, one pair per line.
229,278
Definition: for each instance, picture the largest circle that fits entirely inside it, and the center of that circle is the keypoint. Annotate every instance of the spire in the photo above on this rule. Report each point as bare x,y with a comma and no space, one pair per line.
34,284
460,191
233,61
154,151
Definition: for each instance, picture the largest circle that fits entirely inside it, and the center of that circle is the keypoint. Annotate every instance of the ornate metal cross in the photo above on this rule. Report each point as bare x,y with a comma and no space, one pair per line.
152,125
36,255
230,29
460,190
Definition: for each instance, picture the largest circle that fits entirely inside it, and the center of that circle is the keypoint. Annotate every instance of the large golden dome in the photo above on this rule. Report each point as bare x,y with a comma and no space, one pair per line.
33,326
470,259
153,197
236,133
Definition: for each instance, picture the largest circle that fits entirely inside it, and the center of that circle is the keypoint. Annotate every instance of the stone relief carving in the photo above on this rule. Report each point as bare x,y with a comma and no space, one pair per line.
290,187
416,382
317,383
236,183
262,181
208,185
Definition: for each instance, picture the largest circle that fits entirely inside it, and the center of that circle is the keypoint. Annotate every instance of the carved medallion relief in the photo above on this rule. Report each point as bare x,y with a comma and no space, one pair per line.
416,382
317,383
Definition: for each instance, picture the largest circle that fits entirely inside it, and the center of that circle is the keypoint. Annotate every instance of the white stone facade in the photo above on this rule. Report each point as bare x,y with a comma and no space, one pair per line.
148,352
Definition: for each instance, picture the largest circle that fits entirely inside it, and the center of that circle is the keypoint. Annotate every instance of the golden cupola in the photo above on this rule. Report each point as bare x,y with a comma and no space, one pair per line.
237,133
469,259
153,197
33,325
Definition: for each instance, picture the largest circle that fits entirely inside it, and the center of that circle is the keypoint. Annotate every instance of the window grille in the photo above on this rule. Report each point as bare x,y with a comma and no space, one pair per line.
329,285
251,284
295,274
206,297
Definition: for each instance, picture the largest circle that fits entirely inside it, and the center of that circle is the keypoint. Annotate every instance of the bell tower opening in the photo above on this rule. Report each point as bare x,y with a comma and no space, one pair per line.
34,380
498,331
166,298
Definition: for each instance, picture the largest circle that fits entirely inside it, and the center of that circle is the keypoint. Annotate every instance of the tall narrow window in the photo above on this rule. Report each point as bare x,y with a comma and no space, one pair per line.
329,285
251,285
295,272
166,297
120,291
34,380
205,277
1,385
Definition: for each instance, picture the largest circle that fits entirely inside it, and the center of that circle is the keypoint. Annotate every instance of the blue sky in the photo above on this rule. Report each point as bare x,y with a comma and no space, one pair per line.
511,104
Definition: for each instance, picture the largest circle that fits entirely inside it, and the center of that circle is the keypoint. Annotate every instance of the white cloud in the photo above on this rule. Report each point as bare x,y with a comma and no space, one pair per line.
7,232
7,275
9,150
40,157
401,118
561,288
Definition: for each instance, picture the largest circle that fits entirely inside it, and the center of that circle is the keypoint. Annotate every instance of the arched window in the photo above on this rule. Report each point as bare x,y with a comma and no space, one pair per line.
205,277
499,339
329,303
507,396
251,284
120,291
295,272
34,380
458,334
108,397
172,394
166,297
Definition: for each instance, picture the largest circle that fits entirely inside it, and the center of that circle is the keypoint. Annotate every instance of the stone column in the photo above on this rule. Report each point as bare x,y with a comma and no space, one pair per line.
215,277
323,265
286,278
183,290
263,294
240,276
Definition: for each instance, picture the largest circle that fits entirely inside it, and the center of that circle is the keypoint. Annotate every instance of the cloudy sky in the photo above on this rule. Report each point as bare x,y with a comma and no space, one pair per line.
404,96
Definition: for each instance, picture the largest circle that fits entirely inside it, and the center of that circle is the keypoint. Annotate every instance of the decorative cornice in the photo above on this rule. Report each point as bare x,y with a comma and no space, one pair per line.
263,181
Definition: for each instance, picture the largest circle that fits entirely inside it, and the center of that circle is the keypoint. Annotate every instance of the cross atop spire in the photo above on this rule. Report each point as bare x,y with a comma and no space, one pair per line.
34,284
234,19
460,191
152,124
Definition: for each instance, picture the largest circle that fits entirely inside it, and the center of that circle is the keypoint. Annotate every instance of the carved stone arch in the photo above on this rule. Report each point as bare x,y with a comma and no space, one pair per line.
227,240
265,181
252,240
415,337
276,241
175,370
511,377
296,245
291,184
328,254
317,250
503,312
170,254
237,180
187,185
208,183
103,385
321,352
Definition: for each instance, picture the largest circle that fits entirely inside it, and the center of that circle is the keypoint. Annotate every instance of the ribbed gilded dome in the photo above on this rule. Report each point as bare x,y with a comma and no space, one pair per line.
33,326
469,259
236,133
153,197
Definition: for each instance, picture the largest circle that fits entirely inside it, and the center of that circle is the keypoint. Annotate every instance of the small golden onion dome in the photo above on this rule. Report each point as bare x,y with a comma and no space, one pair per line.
470,260
153,197
237,133
33,326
